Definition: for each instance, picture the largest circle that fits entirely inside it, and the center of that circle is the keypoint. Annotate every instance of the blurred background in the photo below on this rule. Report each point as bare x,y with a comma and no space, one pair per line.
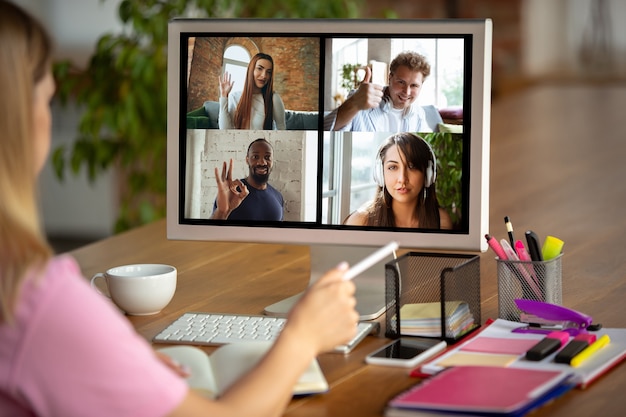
534,41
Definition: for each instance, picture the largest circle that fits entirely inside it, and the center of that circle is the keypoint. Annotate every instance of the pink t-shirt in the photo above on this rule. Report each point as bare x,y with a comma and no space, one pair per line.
71,353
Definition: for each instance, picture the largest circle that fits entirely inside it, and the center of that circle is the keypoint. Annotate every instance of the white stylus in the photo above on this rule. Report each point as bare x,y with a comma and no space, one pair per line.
371,260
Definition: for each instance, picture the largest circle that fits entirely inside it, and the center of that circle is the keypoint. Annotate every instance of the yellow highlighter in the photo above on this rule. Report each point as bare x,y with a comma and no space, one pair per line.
552,247
590,350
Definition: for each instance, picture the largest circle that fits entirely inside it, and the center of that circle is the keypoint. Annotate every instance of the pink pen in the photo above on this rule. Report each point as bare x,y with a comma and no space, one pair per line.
495,247
523,255
512,256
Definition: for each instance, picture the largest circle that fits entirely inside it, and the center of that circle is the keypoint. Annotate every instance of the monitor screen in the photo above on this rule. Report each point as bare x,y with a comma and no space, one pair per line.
329,133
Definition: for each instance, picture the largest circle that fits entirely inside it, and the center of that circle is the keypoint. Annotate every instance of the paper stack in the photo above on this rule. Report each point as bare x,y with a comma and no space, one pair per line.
424,319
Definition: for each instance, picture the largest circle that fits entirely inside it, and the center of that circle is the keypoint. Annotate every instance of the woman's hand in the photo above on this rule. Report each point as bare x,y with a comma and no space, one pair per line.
181,370
226,85
325,316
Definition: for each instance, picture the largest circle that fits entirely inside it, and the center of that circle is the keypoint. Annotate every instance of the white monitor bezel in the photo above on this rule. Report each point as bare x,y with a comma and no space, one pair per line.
478,205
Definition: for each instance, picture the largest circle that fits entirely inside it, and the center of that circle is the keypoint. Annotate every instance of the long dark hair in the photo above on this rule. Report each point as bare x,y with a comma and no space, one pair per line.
244,108
418,153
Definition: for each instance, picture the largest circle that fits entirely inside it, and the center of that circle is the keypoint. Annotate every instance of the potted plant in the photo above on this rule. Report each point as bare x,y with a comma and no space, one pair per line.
123,95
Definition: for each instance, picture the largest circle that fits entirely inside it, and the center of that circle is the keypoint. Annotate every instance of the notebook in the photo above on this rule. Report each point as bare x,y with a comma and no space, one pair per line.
211,374
498,339
481,390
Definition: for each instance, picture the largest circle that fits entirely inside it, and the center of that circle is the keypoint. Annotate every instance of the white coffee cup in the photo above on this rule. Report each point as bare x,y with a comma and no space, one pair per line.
139,289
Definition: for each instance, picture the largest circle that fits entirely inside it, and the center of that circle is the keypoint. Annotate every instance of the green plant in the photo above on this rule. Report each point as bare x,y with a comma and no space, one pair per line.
123,95
449,149
349,76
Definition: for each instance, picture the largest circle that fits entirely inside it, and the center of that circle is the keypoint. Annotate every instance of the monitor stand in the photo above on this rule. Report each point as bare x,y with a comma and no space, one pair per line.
370,285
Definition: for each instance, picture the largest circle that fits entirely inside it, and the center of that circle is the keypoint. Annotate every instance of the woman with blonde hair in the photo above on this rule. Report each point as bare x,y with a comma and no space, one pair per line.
258,106
66,351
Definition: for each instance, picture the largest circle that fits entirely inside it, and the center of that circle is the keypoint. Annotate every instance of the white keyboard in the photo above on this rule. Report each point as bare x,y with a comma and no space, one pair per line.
218,329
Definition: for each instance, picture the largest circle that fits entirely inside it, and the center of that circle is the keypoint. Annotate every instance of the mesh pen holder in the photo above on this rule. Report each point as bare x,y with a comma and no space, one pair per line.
531,280
432,286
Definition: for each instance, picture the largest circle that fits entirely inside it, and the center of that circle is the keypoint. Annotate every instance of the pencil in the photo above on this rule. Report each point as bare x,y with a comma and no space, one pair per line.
509,230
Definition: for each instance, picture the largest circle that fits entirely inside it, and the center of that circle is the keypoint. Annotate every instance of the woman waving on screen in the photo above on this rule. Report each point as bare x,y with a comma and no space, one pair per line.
405,172
258,106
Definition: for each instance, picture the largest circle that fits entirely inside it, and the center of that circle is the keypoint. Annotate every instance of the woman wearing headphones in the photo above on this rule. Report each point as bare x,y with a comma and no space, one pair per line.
405,172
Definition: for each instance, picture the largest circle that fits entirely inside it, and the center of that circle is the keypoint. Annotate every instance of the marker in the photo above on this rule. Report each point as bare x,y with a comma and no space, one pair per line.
521,251
590,350
509,229
574,347
371,260
534,248
552,247
551,343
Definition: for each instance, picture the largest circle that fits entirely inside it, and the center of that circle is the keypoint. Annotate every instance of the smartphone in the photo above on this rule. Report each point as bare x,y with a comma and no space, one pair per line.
406,352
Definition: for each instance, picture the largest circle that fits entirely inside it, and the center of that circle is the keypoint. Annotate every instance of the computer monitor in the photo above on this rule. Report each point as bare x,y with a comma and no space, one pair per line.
323,168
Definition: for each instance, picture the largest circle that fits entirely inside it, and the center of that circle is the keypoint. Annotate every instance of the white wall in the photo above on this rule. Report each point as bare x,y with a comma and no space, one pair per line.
556,31
75,208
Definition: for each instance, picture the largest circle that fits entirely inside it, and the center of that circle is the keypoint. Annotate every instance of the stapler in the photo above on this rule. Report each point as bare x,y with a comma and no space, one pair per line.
544,318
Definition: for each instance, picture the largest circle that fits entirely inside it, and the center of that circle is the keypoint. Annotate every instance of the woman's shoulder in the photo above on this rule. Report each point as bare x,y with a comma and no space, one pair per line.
62,267
356,218
59,284
276,97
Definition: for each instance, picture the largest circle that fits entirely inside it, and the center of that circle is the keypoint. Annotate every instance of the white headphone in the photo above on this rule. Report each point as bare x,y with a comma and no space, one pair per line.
430,176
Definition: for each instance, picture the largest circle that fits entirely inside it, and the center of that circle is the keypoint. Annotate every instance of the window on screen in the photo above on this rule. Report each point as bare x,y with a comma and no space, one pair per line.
445,82
236,59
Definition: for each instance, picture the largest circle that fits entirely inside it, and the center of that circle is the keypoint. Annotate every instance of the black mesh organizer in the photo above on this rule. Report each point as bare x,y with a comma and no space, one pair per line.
428,286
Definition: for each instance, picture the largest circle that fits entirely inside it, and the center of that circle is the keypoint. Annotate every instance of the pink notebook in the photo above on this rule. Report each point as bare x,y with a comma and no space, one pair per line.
481,389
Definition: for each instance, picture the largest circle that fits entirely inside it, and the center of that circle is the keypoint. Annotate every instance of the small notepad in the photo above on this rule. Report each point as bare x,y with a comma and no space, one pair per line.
499,345
472,358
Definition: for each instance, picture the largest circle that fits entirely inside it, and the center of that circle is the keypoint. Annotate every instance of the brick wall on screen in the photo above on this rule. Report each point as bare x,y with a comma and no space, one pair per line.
296,62
208,149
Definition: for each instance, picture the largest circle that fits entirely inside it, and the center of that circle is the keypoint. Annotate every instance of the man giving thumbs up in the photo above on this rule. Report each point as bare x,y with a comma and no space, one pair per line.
376,108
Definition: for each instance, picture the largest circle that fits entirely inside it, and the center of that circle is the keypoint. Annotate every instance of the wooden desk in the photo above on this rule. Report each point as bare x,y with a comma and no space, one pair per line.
557,167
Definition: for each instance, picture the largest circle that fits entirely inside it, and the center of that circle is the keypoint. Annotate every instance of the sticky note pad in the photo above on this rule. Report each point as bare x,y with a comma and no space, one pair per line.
471,358
499,345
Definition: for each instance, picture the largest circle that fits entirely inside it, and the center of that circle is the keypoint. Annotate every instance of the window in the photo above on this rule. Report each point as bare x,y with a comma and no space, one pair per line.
236,59
347,175
444,86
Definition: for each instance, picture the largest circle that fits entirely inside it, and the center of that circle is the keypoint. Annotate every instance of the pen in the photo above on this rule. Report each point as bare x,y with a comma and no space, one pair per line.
495,247
509,230
527,281
534,247
371,260
590,350
523,256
